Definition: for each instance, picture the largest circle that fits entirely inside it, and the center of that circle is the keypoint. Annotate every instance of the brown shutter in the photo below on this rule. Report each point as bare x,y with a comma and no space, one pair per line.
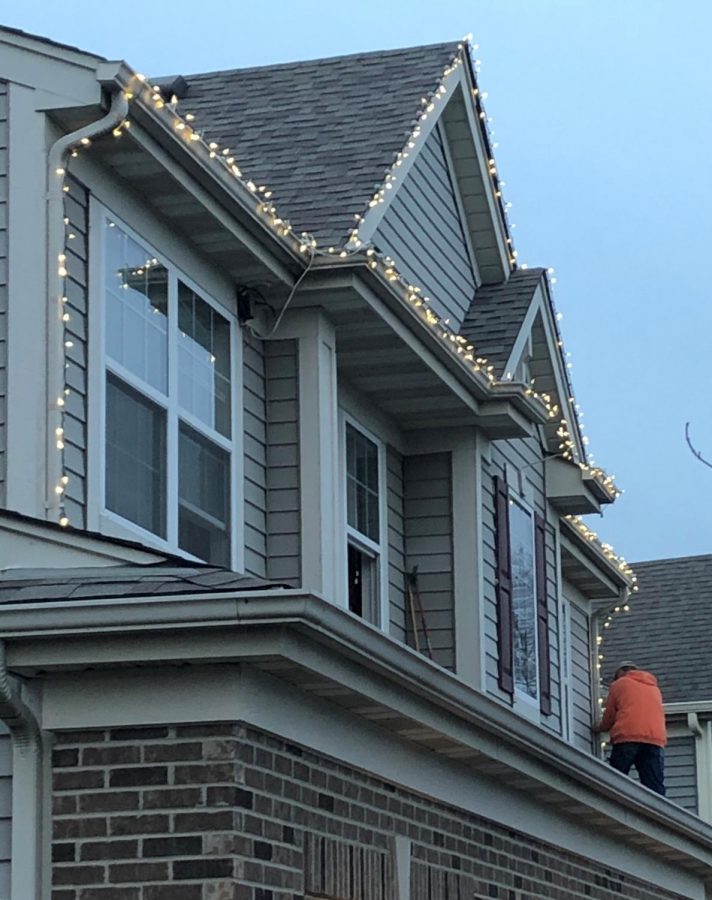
542,615
505,623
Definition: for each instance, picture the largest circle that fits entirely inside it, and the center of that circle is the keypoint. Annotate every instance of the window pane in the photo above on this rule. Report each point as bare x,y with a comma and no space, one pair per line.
135,457
203,498
204,361
362,483
363,583
136,293
521,527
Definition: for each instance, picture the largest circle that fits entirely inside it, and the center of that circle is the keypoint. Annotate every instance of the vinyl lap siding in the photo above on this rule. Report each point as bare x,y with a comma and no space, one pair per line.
581,705
681,771
523,456
255,456
283,500
396,546
5,810
423,232
76,205
428,545
3,279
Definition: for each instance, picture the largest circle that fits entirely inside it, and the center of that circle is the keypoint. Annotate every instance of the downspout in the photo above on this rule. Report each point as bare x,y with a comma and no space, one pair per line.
26,870
55,386
703,760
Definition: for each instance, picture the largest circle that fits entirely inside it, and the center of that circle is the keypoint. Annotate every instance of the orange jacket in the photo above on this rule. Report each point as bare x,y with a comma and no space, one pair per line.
634,710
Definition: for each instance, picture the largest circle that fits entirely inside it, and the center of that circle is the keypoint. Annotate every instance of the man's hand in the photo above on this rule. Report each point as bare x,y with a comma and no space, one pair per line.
596,727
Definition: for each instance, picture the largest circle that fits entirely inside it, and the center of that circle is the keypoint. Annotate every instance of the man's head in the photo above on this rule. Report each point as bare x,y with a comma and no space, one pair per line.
625,666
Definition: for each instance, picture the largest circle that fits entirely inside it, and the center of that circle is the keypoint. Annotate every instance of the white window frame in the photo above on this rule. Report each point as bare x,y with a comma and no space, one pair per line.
99,516
353,536
527,704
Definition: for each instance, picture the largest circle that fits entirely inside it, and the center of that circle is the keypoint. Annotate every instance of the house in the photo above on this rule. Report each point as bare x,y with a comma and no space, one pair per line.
295,600
667,632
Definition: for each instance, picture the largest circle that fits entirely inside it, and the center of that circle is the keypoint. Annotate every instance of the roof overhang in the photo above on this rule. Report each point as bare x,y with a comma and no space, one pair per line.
329,653
587,567
567,488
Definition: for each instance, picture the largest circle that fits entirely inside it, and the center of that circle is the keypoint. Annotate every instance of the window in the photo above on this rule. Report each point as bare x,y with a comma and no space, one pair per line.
168,402
363,524
522,600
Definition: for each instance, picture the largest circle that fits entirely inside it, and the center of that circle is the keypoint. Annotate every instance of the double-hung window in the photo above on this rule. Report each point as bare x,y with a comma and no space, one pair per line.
522,600
168,413
364,524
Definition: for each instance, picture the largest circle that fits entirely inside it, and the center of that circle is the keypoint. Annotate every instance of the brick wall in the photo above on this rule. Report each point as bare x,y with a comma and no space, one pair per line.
222,812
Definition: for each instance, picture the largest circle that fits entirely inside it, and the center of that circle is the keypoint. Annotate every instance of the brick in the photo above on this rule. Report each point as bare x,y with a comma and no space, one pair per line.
109,850
110,893
172,846
170,752
79,737
64,806
204,821
64,895
202,868
229,795
147,824
68,756
62,875
213,729
64,852
110,755
172,798
78,828
139,871
224,890
149,733
262,850
208,773
138,776
173,892
79,780
109,801
220,749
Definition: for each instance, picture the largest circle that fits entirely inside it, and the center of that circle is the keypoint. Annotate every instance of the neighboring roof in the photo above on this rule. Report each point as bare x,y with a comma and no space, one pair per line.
668,630
320,134
161,579
497,313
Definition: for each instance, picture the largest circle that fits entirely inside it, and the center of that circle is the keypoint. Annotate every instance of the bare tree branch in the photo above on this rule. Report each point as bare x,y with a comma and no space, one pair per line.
696,453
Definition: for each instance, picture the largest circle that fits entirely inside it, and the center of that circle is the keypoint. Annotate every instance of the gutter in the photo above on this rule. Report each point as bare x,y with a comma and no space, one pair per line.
56,170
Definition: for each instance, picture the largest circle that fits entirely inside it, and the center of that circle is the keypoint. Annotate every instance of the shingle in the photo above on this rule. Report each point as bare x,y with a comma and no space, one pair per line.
668,630
497,313
320,134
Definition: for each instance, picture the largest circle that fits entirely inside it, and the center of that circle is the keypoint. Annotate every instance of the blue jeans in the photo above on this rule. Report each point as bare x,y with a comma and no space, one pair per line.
648,759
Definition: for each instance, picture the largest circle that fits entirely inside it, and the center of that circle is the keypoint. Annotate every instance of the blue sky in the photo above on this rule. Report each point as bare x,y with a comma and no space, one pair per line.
603,113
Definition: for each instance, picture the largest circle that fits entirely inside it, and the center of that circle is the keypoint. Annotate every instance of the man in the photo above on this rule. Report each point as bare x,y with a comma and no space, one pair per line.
635,718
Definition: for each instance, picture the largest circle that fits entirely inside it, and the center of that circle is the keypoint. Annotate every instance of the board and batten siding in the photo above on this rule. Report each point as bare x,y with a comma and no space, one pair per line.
429,547
506,459
3,281
422,231
76,207
581,696
397,602
271,459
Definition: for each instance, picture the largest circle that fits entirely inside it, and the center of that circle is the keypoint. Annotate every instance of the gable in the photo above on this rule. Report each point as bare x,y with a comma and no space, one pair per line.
423,231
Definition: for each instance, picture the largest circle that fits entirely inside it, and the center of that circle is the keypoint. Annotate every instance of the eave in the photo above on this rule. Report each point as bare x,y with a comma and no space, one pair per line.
329,653
587,567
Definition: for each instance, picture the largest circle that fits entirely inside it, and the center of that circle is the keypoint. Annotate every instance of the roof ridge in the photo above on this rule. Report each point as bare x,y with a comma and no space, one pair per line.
299,63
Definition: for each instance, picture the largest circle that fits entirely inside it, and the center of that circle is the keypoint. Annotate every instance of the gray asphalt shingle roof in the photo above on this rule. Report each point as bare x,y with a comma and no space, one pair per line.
320,134
668,630
86,583
497,313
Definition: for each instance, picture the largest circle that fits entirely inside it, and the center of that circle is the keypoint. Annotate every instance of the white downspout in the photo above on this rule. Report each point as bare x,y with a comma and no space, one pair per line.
703,762
26,867
57,165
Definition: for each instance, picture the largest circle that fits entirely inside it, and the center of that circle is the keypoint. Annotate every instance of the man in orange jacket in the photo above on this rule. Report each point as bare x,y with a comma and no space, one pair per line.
635,718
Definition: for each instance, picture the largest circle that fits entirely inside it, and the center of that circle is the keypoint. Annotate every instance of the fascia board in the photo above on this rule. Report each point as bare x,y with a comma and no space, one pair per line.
327,641
589,554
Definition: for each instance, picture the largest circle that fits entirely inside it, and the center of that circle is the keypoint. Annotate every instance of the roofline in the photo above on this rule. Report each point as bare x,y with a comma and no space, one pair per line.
673,559
47,46
317,636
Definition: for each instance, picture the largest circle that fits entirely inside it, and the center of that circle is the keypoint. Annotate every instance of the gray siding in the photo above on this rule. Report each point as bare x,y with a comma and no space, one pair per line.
283,500
423,232
255,459
3,279
76,206
581,705
396,546
681,771
5,810
525,457
428,545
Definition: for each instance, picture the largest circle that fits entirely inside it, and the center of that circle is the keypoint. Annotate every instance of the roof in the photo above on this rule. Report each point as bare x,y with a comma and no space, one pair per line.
668,630
497,313
87,583
320,134
45,40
